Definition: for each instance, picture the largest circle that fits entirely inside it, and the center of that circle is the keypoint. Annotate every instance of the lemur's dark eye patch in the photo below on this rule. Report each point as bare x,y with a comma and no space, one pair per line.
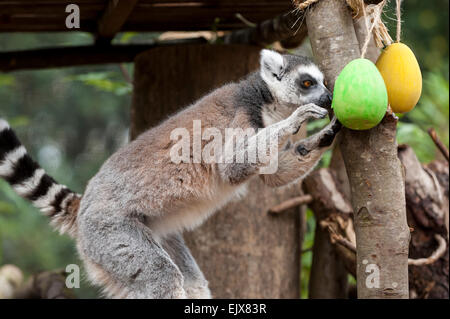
305,81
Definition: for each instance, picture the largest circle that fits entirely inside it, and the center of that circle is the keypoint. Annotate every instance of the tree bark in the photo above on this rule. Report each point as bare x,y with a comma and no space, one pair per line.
427,206
243,251
373,168
427,199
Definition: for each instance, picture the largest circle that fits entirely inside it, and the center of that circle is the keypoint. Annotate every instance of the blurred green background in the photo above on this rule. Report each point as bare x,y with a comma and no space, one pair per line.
72,119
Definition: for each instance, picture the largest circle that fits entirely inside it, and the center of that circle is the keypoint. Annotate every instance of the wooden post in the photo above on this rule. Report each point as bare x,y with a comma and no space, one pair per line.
243,251
373,168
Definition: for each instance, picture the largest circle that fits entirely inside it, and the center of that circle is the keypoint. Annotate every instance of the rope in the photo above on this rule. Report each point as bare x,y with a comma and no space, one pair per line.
302,5
399,20
379,30
374,23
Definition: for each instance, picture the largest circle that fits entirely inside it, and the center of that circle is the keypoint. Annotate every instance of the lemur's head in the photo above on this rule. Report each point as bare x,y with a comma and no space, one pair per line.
294,80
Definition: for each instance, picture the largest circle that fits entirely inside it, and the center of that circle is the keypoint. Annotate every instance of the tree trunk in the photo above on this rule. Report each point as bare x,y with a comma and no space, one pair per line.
243,251
373,168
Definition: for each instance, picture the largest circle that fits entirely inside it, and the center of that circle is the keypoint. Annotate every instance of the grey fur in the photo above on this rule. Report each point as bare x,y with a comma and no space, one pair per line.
251,95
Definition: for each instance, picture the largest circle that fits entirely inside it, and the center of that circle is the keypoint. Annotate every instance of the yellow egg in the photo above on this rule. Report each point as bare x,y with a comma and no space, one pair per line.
401,73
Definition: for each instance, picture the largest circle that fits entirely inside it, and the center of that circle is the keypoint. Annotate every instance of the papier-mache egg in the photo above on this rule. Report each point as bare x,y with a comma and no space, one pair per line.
401,73
360,98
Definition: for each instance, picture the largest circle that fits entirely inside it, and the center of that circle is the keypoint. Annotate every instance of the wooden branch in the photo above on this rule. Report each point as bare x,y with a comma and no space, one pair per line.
438,253
287,27
438,142
298,2
345,242
80,55
323,187
45,285
125,73
339,239
333,215
426,189
370,157
114,17
290,203
425,200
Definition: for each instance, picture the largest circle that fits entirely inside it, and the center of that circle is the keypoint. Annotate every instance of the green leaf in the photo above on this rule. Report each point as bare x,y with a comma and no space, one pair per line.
7,80
103,81
19,121
6,208
432,111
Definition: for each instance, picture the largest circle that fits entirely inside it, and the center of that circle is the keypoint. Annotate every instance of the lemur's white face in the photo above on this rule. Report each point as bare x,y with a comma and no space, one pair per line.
293,80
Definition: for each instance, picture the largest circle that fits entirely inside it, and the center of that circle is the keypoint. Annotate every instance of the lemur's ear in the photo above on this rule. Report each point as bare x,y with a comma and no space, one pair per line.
272,64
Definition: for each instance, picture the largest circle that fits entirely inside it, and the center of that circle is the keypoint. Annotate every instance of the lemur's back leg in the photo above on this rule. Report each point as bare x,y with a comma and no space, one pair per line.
195,284
130,262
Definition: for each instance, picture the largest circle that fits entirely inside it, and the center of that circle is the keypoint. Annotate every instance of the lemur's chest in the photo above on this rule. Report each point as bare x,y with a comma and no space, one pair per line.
195,214
274,113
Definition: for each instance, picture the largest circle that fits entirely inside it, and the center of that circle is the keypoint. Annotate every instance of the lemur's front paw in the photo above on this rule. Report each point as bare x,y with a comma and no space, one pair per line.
335,125
305,112
311,110
329,132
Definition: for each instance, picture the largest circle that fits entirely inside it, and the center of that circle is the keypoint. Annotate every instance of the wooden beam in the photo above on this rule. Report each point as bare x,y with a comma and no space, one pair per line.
283,27
79,55
277,29
115,16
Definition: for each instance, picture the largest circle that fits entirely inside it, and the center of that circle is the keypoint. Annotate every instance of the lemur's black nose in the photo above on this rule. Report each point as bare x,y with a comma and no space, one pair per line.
325,99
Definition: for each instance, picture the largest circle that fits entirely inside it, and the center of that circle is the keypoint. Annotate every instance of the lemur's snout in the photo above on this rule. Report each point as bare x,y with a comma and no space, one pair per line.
325,99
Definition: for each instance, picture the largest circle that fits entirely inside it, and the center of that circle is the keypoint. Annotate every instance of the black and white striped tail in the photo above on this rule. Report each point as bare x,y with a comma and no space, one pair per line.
30,181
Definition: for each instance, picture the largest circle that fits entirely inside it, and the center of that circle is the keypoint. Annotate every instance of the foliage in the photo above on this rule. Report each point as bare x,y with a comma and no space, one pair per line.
71,120
308,243
103,81
431,112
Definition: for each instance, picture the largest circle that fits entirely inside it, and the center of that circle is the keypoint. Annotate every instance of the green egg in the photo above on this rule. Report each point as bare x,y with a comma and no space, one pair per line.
360,97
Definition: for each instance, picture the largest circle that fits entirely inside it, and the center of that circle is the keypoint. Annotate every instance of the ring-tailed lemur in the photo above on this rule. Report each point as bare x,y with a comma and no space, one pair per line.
128,222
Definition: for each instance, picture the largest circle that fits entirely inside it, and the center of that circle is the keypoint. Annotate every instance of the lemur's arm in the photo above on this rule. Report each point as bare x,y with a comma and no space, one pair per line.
298,159
235,172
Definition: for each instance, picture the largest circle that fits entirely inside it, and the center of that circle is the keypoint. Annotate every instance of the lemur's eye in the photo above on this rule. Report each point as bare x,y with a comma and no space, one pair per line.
306,84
